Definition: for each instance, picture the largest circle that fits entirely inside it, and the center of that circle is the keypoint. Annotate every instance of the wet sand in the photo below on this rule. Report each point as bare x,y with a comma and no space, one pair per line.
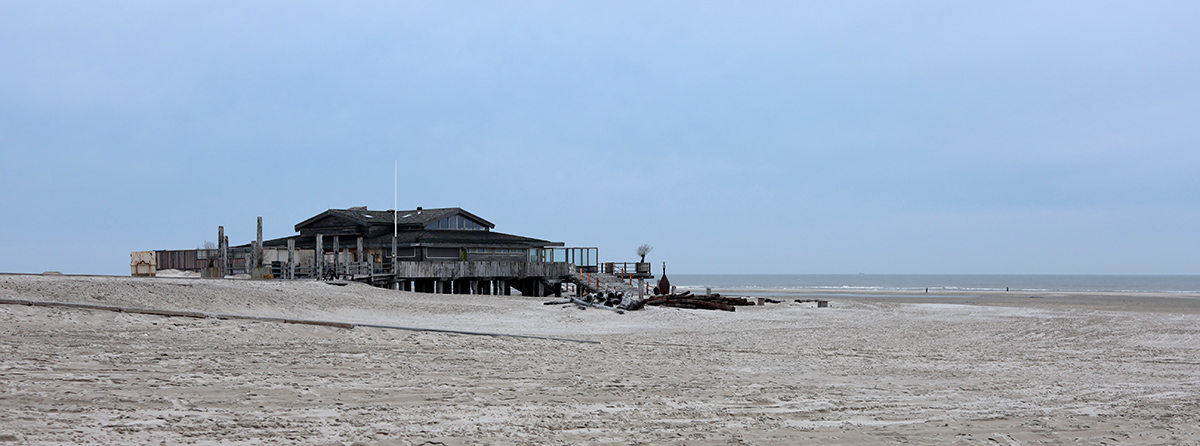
877,368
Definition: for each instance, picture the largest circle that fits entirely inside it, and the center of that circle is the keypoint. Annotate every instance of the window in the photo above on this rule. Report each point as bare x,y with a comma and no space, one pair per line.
509,251
456,221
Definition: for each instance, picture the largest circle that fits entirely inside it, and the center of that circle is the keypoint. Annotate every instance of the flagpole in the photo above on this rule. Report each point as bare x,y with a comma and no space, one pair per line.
395,196
395,221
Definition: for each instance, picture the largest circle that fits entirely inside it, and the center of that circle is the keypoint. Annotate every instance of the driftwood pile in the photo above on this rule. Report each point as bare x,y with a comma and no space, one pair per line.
702,302
617,302
605,301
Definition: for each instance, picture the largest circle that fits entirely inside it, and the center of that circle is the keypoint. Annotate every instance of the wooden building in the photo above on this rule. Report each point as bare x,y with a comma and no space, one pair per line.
422,235
446,250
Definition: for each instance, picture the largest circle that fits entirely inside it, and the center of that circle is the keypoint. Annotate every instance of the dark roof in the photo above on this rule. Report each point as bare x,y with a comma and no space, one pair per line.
412,230
460,238
420,217
430,237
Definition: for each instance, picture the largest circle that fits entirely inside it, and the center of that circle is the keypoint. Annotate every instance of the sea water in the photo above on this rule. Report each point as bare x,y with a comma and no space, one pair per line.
762,283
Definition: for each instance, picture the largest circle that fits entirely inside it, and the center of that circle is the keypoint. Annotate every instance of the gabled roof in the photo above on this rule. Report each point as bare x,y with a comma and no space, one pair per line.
464,238
434,238
415,217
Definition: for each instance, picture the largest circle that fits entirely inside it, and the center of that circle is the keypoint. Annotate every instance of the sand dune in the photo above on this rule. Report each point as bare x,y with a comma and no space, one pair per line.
880,369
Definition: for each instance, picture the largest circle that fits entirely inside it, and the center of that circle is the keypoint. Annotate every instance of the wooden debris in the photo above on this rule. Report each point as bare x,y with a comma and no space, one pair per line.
583,303
685,299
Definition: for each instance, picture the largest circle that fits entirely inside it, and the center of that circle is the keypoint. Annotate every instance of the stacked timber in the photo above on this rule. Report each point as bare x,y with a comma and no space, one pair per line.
687,300
605,301
614,301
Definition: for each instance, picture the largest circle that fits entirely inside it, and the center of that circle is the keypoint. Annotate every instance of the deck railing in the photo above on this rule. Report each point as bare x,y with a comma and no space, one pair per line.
483,268
622,269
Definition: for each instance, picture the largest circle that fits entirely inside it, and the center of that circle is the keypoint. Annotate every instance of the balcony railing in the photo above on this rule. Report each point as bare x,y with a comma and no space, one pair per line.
628,269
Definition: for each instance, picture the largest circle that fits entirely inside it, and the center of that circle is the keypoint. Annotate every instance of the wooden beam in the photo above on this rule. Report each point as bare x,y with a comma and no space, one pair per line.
223,248
258,247
320,257
291,274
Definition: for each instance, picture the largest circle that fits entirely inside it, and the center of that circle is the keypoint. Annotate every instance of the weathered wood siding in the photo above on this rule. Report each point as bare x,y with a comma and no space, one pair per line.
482,269
184,259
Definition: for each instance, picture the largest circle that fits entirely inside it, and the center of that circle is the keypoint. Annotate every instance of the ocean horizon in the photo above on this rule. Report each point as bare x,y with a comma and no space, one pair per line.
751,283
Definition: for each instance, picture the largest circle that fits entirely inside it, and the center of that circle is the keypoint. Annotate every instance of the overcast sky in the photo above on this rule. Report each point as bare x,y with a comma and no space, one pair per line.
735,137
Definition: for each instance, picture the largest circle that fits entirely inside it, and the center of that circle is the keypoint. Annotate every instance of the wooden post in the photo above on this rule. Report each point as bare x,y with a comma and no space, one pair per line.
320,257
291,274
336,260
258,249
370,262
358,255
224,253
393,265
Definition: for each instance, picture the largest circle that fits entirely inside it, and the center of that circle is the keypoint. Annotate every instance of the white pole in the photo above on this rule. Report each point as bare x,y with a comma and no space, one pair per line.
395,195
395,221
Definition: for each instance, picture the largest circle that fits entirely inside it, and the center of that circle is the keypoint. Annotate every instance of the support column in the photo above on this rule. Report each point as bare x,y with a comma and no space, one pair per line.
291,275
358,253
258,249
336,260
393,264
319,259
222,253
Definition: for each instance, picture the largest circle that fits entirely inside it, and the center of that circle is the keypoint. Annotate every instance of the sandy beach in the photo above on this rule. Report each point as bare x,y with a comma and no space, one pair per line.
875,368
